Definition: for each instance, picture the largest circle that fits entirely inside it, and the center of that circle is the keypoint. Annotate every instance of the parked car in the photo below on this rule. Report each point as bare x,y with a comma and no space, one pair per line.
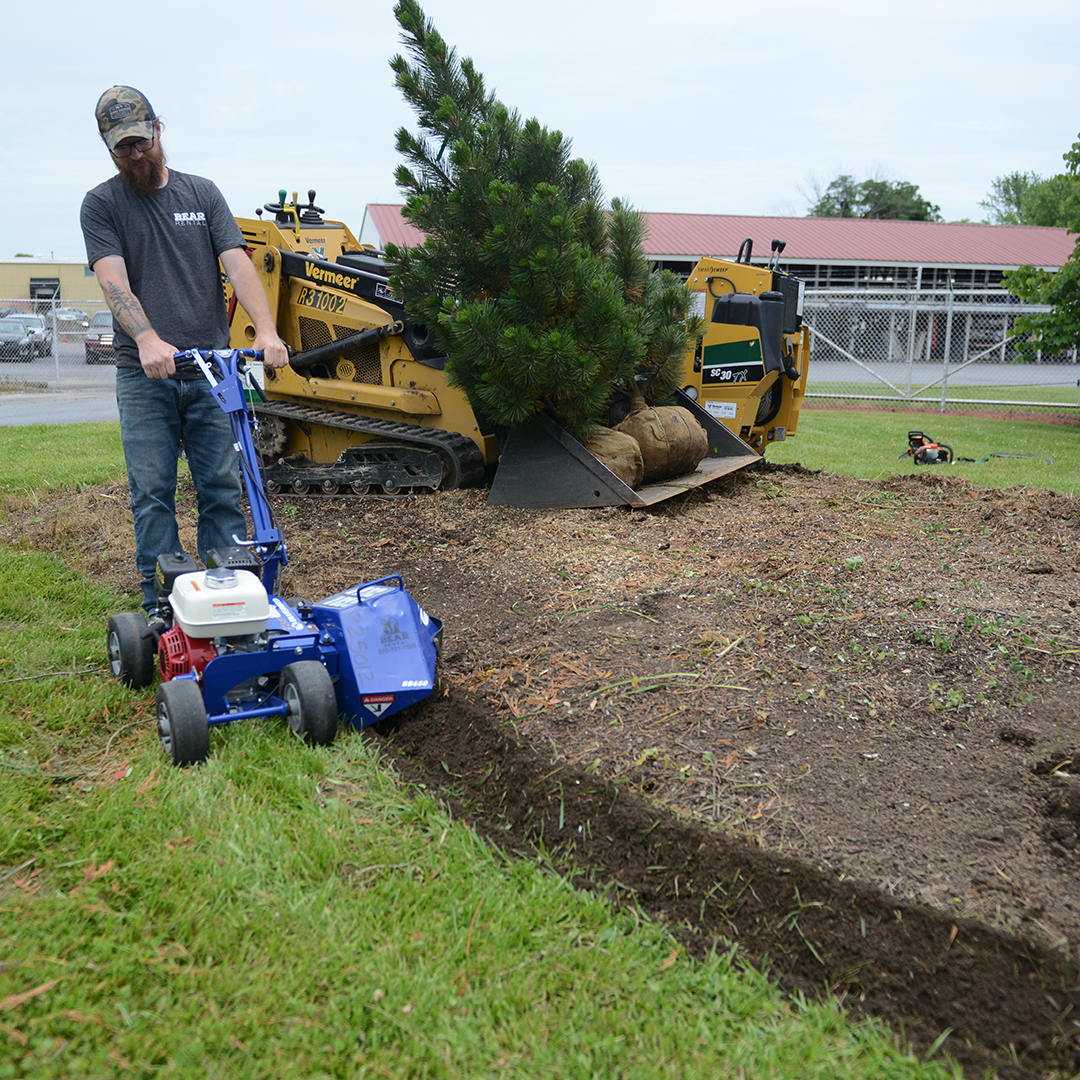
72,318
15,341
99,339
40,332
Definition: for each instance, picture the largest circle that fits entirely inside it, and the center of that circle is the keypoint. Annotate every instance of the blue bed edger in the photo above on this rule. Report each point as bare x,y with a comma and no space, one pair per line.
228,648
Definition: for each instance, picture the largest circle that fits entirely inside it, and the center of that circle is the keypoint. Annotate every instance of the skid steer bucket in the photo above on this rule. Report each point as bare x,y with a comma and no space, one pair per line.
542,466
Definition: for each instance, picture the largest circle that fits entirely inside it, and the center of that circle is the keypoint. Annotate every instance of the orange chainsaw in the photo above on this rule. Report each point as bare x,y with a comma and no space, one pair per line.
927,452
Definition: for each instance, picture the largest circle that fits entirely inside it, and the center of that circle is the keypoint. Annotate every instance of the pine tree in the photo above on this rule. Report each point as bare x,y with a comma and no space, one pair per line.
660,305
540,297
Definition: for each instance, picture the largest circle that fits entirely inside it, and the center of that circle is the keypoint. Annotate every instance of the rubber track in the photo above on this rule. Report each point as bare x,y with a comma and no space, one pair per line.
457,451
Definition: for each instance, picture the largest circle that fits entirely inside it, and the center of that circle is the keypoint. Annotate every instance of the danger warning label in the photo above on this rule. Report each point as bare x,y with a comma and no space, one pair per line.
377,704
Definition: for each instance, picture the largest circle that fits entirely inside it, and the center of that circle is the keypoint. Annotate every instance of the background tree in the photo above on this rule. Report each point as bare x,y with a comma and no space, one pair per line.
1058,329
540,297
874,197
1025,198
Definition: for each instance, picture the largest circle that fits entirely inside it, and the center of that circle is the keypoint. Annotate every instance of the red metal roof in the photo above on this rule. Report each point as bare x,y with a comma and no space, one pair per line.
820,240
392,227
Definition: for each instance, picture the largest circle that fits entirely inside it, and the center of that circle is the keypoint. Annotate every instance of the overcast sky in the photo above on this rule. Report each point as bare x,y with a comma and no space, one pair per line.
723,108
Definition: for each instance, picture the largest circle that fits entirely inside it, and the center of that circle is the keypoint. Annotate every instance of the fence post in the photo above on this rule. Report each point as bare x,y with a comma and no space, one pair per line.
948,346
55,343
911,341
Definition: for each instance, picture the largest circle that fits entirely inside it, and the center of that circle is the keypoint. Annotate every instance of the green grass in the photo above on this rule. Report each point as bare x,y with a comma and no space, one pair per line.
292,912
35,641
43,456
869,445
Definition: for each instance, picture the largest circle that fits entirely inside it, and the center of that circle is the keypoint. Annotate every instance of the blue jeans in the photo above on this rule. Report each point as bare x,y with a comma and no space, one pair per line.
155,415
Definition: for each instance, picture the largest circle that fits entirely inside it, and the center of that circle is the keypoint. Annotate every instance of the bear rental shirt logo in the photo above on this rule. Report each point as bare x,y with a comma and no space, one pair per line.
189,217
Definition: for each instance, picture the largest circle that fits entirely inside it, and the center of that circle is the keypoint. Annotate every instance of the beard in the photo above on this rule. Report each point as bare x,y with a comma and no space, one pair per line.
146,175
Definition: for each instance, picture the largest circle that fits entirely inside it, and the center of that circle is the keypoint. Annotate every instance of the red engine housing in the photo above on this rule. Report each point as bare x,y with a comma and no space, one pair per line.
179,654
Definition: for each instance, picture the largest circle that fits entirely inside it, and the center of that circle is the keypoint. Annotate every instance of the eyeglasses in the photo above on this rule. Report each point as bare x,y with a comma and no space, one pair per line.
124,149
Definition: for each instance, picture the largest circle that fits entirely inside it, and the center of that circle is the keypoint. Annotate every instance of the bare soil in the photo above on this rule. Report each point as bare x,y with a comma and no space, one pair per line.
834,721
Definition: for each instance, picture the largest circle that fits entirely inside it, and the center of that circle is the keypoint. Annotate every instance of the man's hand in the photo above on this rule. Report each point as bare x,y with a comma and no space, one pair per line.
275,355
156,356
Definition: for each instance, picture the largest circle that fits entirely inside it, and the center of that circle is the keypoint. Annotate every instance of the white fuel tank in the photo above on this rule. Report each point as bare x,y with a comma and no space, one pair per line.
222,602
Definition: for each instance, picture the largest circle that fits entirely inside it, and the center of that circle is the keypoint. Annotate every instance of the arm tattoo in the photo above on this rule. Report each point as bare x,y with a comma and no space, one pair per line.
128,311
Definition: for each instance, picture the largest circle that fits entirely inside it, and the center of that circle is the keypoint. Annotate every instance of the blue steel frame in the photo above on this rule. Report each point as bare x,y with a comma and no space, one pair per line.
376,643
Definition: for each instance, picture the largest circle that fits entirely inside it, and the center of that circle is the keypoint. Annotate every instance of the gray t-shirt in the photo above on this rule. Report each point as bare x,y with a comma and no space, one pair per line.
170,242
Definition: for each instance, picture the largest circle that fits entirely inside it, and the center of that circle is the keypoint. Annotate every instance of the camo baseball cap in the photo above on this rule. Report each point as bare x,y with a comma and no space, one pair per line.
123,112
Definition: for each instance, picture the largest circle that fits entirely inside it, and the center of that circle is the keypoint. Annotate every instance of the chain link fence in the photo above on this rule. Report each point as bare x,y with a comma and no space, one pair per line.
60,346
924,350
934,350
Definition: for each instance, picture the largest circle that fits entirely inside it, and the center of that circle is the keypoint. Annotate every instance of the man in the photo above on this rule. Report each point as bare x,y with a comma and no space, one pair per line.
154,237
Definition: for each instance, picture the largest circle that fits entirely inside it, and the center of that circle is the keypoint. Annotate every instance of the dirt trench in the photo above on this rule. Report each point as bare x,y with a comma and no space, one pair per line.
1007,1002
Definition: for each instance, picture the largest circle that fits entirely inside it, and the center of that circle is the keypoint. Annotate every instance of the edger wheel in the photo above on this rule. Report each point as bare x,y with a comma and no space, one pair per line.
308,690
181,722
131,650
